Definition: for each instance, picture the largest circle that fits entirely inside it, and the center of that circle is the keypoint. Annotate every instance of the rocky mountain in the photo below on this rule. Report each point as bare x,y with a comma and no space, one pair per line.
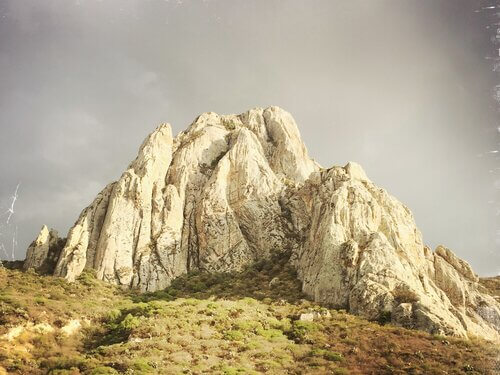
232,190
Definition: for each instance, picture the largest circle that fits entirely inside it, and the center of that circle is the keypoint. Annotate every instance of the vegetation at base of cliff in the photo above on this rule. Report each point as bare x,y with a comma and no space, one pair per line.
240,323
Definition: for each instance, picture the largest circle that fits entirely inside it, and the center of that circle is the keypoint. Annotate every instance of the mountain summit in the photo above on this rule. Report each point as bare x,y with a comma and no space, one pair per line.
232,190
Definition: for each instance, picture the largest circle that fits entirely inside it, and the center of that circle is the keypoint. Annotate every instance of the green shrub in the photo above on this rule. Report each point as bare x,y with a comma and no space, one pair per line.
70,363
113,315
142,367
250,301
248,325
234,335
159,295
302,329
333,356
88,277
228,370
129,322
71,371
385,317
326,354
270,334
283,324
40,300
145,309
403,295
104,370
190,302
341,371
6,299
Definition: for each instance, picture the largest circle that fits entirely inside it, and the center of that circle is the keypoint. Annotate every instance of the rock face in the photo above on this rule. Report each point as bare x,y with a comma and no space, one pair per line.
232,189
361,250
44,252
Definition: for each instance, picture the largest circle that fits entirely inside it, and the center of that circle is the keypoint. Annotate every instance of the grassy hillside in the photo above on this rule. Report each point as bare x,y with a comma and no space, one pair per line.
243,323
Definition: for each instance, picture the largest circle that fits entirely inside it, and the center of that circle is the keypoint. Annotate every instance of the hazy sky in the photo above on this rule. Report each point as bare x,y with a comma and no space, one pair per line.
400,86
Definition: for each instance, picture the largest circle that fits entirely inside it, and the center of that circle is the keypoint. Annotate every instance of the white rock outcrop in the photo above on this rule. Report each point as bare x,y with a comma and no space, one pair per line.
232,189
361,250
44,252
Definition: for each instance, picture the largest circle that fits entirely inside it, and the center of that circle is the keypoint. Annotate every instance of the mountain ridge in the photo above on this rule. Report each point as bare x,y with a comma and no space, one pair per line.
233,189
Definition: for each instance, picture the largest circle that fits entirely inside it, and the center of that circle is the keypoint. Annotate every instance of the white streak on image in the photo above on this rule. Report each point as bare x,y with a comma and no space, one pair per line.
6,227
4,251
10,211
14,245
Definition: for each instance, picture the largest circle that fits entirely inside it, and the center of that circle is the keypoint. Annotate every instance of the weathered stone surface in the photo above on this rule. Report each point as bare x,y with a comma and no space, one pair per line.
80,248
208,199
232,189
44,252
362,251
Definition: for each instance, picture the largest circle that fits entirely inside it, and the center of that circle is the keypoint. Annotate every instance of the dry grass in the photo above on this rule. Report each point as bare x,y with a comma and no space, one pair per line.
214,324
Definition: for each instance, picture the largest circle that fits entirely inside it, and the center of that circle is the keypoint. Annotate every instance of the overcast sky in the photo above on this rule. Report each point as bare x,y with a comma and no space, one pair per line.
400,86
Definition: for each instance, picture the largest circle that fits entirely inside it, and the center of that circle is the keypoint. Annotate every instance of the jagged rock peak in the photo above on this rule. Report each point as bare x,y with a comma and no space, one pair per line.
231,189
44,251
151,225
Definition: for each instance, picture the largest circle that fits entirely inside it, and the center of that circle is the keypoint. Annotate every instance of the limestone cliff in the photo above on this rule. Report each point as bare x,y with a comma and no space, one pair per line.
232,189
